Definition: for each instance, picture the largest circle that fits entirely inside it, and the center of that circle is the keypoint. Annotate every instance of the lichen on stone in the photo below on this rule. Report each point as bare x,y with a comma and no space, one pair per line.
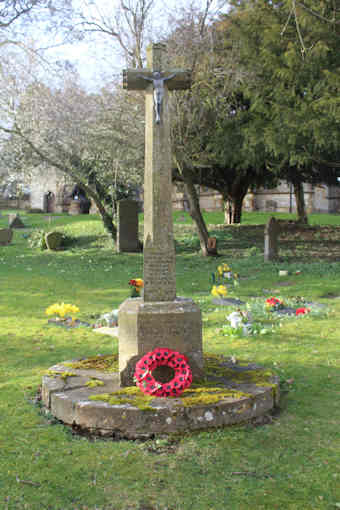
205,395
92,383
62,375
220,366
106,363
130,395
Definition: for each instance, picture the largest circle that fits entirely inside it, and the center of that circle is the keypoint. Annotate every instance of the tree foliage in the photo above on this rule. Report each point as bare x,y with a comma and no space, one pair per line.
291,50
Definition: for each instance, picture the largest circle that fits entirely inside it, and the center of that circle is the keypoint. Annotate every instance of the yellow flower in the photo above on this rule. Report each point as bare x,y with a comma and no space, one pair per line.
52,309
219,291
214,291
61,309
222,290
139,282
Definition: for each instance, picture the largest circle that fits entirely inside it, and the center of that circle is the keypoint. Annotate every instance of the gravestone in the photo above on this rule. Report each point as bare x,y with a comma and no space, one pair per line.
74,208
271,205
6,235
271,235
53,240
127,226
14,221
159,319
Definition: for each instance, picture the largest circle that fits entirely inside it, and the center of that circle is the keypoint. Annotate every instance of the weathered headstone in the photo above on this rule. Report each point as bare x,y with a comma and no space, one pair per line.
127,226
74,208
159,319
6,235
53,240
14,221
271,234
271,205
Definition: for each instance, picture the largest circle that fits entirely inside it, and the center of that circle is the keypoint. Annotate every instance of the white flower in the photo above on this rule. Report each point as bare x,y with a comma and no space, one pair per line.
235,319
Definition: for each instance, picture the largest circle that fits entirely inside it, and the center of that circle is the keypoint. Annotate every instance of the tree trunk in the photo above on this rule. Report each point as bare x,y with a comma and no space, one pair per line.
233,200
107,220
228,211
106,217
300,203
237,209
196,215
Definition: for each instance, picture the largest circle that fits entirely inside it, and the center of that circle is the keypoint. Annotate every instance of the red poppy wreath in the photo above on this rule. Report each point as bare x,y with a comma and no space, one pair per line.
157,358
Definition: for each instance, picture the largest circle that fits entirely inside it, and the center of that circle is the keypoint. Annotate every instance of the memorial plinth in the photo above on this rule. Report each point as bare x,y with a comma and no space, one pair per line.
143,326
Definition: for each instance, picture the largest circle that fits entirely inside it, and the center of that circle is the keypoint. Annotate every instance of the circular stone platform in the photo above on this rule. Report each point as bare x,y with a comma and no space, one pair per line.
86,394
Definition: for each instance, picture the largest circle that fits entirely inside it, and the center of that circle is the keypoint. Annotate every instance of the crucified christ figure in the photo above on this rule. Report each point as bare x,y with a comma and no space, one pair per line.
158,91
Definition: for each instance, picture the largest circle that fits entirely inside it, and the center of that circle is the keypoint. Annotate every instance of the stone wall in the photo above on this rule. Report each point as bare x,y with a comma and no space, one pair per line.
48,188
14,203
322,198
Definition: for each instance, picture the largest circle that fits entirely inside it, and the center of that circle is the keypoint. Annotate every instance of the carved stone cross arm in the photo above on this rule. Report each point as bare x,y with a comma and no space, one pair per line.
139,79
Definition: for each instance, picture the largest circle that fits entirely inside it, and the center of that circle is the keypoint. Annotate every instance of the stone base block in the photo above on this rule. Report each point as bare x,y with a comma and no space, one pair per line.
143,326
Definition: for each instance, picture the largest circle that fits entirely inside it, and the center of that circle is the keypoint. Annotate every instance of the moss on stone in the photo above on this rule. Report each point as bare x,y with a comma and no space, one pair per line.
62,375
106,363
130,395
204,396
92,383
220,366
211,389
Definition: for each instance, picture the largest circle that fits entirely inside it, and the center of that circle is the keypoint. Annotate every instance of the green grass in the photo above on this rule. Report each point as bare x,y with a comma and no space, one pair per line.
291,463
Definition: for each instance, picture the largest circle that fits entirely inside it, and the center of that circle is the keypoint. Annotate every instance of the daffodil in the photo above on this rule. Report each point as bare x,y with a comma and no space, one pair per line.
222,290
62,309
214,291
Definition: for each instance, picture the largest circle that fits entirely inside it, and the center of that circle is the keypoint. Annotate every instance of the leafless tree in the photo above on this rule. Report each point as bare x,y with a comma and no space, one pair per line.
128,24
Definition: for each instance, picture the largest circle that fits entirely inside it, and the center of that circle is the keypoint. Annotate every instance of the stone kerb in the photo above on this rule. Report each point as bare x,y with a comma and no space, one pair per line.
143,326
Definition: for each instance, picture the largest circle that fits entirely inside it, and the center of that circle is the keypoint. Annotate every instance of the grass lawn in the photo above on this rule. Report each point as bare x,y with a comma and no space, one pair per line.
289,463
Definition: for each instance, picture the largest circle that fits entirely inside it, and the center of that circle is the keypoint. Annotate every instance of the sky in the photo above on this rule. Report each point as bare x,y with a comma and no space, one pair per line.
98,61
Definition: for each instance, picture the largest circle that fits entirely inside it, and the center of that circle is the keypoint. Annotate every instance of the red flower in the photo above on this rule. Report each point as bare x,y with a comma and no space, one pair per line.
133,283
273,301
302,311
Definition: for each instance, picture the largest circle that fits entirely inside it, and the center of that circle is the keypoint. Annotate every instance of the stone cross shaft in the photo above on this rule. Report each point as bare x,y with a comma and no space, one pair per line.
159,249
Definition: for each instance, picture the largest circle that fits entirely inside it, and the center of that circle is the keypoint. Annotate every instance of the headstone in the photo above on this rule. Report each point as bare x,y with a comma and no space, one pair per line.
271,205
127,226
6,235
53,240
74,208
14,221
159,319
271,235
212,244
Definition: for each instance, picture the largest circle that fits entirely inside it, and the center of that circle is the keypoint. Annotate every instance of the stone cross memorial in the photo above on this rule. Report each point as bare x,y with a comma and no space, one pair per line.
159,319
